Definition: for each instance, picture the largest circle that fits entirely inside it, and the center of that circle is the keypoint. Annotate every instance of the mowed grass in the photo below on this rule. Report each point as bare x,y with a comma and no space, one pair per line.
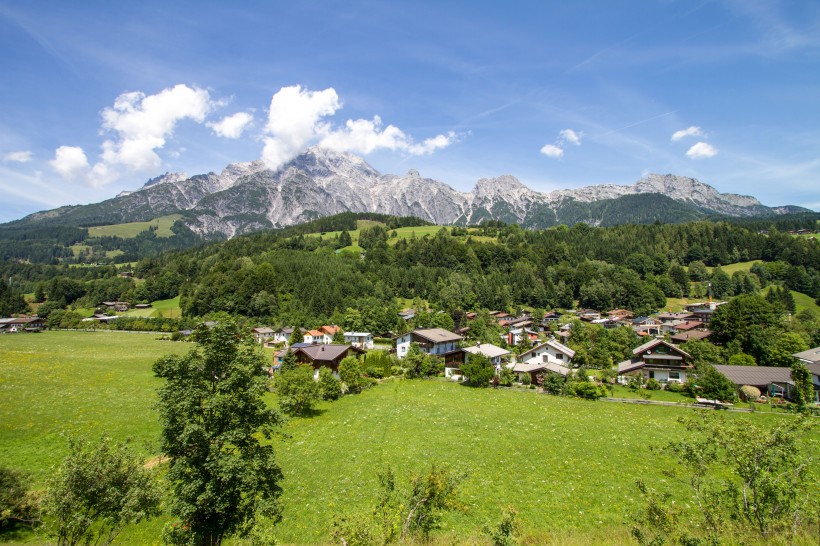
55,384
160,308
568,466
739,266
132,229
401,233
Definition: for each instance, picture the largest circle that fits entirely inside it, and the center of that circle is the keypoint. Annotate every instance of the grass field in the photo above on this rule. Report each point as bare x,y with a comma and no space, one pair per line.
160,308
568,466
801,300
401,233
132,229
739,266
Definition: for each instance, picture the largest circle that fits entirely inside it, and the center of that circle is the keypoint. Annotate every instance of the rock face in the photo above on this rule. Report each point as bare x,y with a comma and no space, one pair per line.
247,197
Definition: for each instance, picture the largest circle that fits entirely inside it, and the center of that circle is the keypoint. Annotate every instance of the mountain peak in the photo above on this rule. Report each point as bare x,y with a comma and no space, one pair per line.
165,178
498,186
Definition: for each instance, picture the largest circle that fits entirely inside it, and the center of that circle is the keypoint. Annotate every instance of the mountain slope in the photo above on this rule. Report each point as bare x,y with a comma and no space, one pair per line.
247,197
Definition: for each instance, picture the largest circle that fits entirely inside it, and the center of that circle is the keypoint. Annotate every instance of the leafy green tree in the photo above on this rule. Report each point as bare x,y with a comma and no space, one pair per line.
345,239
10,301
703,352
339,336
679,276
352,374
330,386
721,284
478,371
214,421
420,364
741,359
18,505
97,490
713,385
803,386
738,318
698,271
781,351
296,389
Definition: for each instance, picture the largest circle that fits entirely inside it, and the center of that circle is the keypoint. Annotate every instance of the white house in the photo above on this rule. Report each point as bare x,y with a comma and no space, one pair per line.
454,359
659,360
262,334
549,351
434,341
318,337
362,340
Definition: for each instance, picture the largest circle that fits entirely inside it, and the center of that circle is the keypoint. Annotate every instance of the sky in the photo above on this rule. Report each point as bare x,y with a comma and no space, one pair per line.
96,97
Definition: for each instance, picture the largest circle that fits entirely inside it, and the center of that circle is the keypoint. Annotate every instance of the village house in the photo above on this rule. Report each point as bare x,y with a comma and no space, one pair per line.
362,340
704,310
318,337
588,315
677,326
118,306
811,359
620,314
691,335
262,334
513,337
659,360
646,326
327,355
674,317
550,356
15,325
454,359
282,335
434,341
549,318
773,381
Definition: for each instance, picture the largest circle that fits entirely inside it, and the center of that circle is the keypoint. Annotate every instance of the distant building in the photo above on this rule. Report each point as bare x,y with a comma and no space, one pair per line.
434,341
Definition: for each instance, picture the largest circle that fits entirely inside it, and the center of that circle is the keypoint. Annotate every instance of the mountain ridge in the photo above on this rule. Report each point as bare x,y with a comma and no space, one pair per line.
247,197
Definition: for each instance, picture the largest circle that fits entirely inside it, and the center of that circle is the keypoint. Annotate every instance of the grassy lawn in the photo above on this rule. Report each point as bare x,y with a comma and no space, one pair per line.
801,300
621,391
739,266
401,233
160,308
132,229
567,465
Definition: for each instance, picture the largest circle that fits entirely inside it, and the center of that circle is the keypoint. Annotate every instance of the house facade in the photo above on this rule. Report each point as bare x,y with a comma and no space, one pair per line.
262,334
327,355
362,340
657,359
434,341
454,359
21,324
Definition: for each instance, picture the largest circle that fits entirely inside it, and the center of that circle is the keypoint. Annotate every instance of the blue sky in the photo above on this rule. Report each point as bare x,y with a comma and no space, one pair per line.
97,97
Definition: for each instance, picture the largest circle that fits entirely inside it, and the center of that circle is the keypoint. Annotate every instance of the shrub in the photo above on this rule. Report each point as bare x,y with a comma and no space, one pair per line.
526,380
329,385
749,393
585,390
653,384
554,383
675,387
350,372
506,377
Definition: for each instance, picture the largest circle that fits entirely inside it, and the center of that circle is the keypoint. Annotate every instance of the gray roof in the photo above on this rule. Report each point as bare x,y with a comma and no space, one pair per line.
487,349
555,344
812,355
533,365
437,335
756,376
658,341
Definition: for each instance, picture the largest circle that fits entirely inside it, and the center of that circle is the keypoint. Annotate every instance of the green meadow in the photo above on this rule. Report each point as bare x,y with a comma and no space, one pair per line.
568,466
132,229
401,233
160,308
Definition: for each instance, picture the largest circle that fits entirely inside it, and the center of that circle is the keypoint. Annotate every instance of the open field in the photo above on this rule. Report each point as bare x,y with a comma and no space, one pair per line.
568,466
401,233
801,300
132,229
739,266
160,308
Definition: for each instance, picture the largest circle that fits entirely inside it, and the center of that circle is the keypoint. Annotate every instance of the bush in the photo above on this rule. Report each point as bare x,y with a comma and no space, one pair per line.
506,377
526,380
675,387
350,372
478,371
653,384
585,390
749,393
329,385
554,383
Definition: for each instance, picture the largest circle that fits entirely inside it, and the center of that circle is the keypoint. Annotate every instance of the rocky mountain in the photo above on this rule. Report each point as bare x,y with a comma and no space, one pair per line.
247,197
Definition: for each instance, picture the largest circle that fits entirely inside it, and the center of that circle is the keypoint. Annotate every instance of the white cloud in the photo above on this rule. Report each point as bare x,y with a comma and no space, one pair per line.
550,150
231,126
69,161
701,150
142,123
366,136
568,135
690,131
296,120
22,156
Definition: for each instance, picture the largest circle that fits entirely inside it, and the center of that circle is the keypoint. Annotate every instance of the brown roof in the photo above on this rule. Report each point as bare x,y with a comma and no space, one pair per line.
326,353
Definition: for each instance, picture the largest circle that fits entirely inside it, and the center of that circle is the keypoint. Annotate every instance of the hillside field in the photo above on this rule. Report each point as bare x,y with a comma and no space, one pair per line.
132,229
568,466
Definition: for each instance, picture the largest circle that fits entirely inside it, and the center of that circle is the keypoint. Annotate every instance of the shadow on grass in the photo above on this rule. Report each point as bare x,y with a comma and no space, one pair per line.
312,412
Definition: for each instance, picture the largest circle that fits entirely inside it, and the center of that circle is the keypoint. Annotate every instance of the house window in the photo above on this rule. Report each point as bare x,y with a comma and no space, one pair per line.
674,376
559,356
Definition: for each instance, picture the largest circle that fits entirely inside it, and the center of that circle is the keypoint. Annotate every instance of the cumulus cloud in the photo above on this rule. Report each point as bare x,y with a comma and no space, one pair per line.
550,150
296,119
570,136
366,136
689,131
142,123
22,156
69,161
701,150
231,126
